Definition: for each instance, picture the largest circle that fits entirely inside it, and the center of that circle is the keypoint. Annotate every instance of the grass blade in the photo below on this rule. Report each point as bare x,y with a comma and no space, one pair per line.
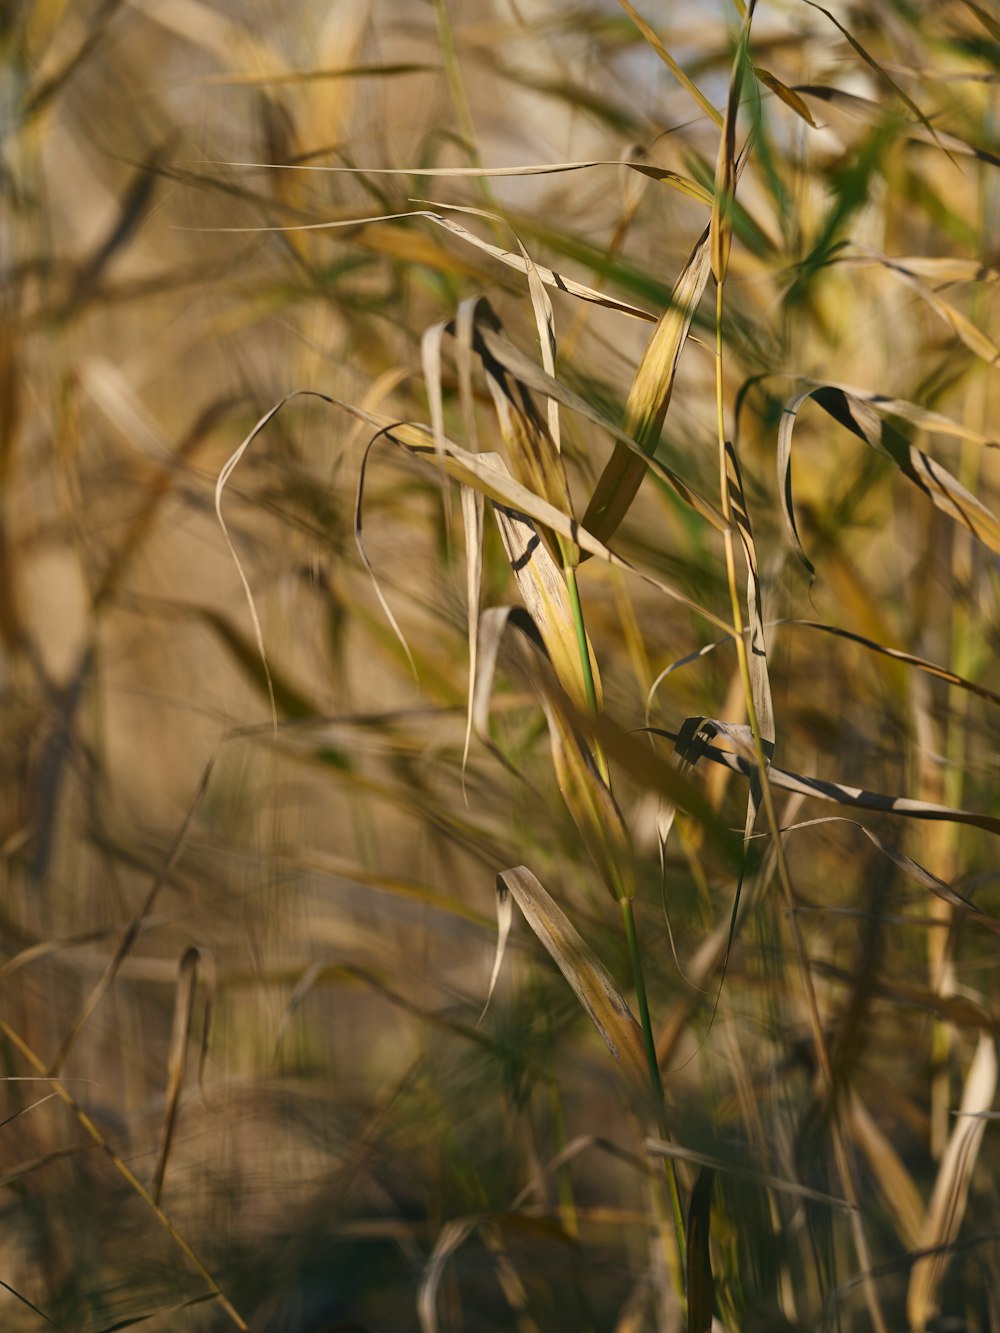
584,971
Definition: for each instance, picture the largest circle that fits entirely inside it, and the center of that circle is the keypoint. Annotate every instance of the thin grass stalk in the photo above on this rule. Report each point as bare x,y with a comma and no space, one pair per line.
635,954
64,1094
842,1158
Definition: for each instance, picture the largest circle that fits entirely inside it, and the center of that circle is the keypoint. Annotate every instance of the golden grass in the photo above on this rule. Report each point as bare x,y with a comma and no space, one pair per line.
278,742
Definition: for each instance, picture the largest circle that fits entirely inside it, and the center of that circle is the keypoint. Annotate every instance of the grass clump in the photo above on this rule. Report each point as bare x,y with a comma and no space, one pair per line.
546,881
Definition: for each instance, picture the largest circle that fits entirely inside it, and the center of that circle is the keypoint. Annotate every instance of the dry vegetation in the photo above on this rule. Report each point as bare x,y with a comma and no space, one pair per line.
261,816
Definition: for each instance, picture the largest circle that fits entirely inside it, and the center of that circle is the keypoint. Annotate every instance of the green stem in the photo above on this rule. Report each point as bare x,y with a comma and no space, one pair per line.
655,1082
635,957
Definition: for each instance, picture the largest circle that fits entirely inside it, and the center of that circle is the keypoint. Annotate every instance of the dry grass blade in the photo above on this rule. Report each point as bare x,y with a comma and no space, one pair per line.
477,471
131,934
534,455
493,626
787,95
648,400
725,168
906,270
894,1181
125,1171
523,263
660,1148
187,978
227,470
759,678
897,655
505,919
545,322
644,168
686,83
581,967
543,591
473,507
534,377
841,794
452,1235
589,800
363,552
951,1189
913,869
856,411
867,112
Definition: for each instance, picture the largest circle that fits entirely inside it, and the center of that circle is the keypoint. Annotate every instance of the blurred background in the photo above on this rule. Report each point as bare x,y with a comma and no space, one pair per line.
255,952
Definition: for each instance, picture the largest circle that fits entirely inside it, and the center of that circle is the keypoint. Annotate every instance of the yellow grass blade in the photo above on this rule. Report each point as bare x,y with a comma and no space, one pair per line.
543,591
584,971
858,410
589,800
951,1189
686,83
649,398
894,1181
787,95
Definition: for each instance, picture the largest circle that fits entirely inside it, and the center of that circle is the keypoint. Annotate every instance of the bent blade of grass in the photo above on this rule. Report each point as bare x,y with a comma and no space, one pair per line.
450,1238
545,322
839,793
896,654
543,591
477,471
951,1188
583,970
534,377
867,112
505,919
855,409
534,456
913,869
227,470
880,72
648,770
907,270
493,626
362,551
661,1148
648,399
872,645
